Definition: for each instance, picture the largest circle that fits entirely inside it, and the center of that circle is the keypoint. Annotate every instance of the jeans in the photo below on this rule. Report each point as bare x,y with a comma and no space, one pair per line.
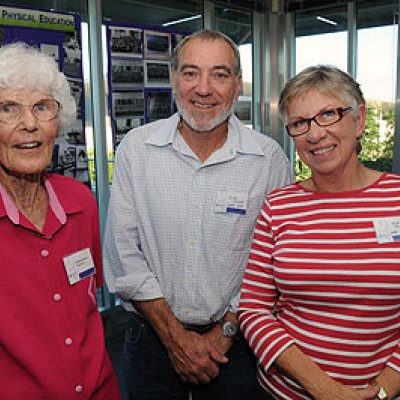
147,373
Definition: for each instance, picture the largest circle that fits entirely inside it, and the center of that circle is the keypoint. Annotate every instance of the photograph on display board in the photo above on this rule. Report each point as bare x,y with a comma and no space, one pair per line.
128,103
77,91
66,161
51,50
72,54
157,45
126,42
81,158
123,126
2,36
74,134
158,104
175,39
157,74
127,72
71,160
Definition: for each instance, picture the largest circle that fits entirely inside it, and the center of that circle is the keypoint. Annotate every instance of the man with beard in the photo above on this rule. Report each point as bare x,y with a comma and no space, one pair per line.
186,194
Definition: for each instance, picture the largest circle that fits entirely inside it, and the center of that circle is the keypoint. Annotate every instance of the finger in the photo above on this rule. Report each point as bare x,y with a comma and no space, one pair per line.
212,370
204,378
218,357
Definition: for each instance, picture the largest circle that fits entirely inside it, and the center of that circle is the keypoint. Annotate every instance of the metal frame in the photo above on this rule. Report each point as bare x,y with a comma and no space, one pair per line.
97,114
352,38
396,144
258,105
208,15
98,107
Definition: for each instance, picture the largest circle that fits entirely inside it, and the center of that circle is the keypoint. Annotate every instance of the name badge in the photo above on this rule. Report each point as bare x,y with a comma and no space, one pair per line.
79,266
231,202
387,229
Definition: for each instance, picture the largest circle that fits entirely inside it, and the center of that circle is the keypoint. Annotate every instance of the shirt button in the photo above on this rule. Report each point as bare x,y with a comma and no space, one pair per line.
57,297
44,253
78,388
68,341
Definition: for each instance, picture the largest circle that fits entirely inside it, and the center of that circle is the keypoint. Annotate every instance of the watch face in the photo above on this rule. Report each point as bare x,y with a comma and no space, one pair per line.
229,329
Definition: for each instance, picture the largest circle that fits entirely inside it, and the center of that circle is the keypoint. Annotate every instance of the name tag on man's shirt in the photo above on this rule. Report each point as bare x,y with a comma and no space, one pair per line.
231,202
387,229
79,266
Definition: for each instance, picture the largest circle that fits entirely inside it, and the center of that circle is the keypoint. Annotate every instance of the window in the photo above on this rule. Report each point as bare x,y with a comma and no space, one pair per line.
236,23
376,72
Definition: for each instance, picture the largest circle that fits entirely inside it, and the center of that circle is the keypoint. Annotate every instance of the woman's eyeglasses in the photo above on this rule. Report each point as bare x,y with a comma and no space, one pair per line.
43,110
323,118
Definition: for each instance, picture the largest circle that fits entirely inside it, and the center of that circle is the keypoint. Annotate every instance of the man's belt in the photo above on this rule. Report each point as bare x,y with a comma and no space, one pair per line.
200,329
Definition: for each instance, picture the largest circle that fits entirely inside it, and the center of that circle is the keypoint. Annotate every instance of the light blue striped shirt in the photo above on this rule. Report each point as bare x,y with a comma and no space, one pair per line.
181,229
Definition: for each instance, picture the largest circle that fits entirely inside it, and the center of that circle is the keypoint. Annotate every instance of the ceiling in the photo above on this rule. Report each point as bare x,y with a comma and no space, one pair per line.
232,16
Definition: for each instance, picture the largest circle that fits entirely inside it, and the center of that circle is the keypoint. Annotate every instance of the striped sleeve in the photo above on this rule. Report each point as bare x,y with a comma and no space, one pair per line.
394,361
264,333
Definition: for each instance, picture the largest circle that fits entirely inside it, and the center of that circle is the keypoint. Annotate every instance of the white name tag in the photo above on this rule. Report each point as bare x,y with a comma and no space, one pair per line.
79,266
387,229
231,202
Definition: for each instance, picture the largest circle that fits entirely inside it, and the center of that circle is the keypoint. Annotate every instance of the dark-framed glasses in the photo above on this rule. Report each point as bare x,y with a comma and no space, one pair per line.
323,118
43,110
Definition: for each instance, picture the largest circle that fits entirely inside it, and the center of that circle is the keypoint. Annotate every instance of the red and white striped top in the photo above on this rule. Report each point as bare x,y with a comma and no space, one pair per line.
318,277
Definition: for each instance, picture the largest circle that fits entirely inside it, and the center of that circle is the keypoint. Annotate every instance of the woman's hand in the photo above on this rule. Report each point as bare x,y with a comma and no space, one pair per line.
301,368
336,391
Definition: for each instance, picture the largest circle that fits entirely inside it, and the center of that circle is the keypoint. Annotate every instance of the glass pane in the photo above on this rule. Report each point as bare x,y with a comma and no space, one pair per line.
376,72
182,15
237,24
321,38
77,6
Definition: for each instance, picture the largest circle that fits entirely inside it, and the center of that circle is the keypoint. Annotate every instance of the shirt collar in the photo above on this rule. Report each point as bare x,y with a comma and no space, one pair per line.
8,207
240,138
165,131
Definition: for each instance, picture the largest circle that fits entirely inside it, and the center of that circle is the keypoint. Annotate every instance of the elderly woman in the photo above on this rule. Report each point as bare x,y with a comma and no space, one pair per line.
51,336
320,302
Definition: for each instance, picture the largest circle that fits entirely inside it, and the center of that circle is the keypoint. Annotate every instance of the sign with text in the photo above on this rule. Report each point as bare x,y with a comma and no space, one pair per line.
36,19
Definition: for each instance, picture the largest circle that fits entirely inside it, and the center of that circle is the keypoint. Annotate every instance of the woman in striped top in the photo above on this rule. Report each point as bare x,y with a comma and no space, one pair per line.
320,302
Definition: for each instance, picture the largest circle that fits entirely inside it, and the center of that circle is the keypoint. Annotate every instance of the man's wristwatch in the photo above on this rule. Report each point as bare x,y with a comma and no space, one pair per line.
229,329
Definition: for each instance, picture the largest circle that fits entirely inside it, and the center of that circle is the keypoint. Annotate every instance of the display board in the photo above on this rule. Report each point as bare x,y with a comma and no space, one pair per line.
56,34
139,75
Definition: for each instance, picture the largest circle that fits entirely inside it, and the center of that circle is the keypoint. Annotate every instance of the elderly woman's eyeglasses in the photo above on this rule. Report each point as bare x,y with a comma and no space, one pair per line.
43,110
323,118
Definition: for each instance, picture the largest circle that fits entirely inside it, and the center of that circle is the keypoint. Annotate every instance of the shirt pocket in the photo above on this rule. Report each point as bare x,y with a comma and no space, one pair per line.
233,231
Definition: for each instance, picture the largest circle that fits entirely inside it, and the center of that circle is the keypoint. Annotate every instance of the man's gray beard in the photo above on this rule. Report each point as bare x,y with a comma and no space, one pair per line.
210,125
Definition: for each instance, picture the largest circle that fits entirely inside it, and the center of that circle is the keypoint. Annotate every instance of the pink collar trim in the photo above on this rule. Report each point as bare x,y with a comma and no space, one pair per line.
54,204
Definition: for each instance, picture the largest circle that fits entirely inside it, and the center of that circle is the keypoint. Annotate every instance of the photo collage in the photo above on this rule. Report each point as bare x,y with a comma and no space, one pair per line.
140,82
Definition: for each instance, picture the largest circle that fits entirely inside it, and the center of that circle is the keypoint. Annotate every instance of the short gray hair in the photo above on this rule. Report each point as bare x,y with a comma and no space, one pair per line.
206,34
25,67
326,79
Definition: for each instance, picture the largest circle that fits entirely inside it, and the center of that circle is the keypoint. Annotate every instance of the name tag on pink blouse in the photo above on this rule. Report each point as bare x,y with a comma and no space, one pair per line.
79,266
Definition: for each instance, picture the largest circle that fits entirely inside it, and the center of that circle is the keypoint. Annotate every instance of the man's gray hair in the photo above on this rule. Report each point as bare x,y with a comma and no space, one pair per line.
206,34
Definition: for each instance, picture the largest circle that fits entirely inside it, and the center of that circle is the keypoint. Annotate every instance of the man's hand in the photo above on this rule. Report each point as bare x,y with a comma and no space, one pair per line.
194,357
